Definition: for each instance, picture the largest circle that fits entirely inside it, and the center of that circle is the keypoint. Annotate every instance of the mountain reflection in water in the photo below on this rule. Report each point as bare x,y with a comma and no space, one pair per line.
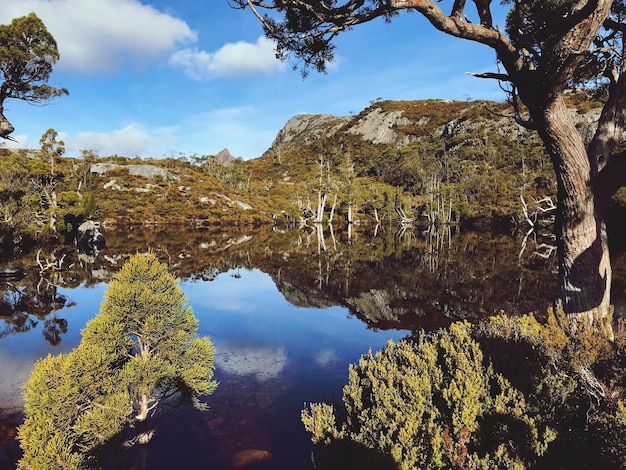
286,318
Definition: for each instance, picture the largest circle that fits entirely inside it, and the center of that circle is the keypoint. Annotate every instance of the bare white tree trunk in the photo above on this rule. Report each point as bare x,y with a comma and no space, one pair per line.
332,209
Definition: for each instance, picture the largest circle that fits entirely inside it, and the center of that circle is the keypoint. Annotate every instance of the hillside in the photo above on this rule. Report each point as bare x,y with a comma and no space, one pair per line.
396,162
429,161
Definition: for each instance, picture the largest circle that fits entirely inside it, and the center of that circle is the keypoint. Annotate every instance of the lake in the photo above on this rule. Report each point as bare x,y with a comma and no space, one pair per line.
288,311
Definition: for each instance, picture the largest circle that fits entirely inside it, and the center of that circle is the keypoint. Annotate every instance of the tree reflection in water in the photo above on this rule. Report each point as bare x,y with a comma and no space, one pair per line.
416,281
21,308
420,279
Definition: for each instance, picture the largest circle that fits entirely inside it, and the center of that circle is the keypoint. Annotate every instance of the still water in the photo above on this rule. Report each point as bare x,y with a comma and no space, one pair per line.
272,357
287,312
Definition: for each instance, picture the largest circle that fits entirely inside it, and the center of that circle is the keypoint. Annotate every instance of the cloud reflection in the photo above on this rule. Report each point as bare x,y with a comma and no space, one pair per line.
15,371
326,357
263,362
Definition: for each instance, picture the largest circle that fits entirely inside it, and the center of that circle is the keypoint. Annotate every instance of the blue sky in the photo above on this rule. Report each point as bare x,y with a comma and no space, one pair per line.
165,78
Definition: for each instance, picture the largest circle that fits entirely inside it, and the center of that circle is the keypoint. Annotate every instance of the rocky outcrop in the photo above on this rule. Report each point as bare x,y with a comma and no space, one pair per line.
89,239
230,202
306,128
146,171
381,124
379,127
245,458
225,158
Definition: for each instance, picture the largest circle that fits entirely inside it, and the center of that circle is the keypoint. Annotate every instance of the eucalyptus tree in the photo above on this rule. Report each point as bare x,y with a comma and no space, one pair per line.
27,53
547,48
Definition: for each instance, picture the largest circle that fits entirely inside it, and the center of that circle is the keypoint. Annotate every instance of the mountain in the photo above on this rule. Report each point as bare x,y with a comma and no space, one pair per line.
396,163
401,123
224,157
432,160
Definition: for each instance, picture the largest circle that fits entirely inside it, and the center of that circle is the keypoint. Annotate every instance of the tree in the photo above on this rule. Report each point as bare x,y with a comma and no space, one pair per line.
139,357
27,53
548,48
44,175
13,181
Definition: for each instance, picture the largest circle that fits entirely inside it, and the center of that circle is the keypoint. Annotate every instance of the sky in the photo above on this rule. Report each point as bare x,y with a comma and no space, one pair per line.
167,78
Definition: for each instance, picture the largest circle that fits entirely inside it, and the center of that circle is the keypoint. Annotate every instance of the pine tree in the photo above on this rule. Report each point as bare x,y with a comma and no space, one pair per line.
139,357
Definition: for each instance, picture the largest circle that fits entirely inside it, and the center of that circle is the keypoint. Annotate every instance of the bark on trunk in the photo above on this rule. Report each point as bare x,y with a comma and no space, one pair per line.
321,204
5,126
584,281
54,207
144,435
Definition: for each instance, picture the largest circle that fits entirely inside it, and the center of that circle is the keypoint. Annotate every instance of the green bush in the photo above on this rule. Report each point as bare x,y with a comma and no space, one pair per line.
511,392
433,402
136,356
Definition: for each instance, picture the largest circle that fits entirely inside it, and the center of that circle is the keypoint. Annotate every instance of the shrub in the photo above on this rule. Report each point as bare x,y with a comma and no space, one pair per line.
510,392
139,354
433,402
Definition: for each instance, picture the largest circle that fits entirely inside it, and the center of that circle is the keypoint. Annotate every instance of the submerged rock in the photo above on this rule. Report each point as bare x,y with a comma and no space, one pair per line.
247,457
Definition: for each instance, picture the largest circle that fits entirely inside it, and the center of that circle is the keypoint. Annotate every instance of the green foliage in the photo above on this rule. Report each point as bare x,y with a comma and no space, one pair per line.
511,392
51,147
433,403
44,436
137,357
27,53
531,22
575,376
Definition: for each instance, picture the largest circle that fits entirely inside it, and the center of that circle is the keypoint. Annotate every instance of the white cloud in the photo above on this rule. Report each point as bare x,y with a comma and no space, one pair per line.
16,368
232,60
244,130
21,141
99,36
128,141
326,357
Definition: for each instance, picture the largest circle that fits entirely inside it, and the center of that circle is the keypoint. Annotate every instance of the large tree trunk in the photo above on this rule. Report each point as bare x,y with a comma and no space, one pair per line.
584,279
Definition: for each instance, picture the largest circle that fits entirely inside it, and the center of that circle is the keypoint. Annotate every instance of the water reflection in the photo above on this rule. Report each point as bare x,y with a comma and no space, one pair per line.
286,319
419,280
239,358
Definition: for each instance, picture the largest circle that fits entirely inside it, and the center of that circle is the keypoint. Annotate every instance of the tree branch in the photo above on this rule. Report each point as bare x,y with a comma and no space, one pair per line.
579,29
326,22
495,76
610,179
611,124
610,23
484,12
457,9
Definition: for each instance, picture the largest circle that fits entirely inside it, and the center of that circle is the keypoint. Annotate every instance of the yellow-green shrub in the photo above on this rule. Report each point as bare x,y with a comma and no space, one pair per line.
433,402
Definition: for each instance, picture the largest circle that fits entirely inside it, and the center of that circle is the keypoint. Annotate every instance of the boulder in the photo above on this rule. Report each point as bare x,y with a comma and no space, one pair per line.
89,239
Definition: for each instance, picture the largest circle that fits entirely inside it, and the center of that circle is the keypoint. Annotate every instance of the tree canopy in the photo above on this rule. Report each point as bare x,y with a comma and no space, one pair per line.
27,53
138,357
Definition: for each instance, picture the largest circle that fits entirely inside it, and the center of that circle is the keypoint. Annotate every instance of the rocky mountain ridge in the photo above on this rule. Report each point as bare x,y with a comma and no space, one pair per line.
388,122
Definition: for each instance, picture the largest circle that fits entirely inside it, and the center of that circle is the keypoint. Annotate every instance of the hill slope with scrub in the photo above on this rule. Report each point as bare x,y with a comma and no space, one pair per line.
396,162
430,160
